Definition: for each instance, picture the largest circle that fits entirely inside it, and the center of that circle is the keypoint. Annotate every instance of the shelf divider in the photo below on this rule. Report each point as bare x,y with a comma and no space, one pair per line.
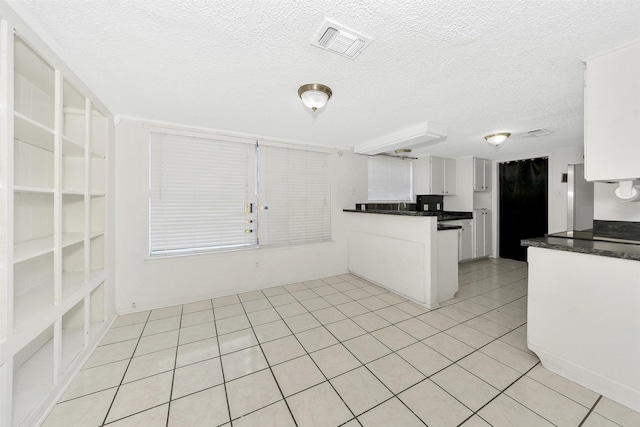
24,251
34,133
32,190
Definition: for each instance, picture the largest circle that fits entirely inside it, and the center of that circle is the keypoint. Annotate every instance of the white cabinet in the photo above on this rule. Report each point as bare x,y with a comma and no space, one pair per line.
482,235
481,175
612,122
466,240
55,292
435,175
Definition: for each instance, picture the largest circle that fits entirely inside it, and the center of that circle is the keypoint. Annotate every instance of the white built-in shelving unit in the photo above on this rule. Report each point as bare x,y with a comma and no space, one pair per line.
56,295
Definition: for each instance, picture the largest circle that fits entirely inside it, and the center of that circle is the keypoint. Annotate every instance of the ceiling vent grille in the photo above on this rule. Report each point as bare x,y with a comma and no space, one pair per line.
536,132
341,40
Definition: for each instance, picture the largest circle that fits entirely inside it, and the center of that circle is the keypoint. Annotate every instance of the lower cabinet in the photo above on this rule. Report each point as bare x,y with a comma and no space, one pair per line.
482,242
466,240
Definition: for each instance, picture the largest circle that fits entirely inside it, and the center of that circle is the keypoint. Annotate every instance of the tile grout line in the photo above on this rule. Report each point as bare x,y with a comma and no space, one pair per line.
590,411
321,324
367,332
224,380
175,362
476,412
307,354
275,379
393,351
125,372
393,394
448,366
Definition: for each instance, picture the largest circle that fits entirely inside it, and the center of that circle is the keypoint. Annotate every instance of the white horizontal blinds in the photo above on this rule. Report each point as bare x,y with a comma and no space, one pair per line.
294,191
390,179
200,191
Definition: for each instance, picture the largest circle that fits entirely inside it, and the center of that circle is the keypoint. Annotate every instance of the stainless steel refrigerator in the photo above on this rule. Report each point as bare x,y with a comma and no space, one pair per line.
580,199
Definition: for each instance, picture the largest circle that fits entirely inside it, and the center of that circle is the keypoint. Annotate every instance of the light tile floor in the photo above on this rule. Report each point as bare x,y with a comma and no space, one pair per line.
332,352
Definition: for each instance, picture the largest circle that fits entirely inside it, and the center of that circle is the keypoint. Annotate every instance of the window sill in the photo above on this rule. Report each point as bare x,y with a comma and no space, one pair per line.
233,252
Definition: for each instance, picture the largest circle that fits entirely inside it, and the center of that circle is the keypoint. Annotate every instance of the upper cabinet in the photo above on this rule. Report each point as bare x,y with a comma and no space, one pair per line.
481,174
612,115
435,175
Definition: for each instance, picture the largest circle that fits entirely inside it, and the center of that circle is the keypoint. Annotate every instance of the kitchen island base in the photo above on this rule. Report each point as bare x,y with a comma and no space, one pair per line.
584,320
407,255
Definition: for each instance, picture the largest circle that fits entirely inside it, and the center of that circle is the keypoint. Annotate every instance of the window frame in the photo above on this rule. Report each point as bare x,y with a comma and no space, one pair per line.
385,190
257,143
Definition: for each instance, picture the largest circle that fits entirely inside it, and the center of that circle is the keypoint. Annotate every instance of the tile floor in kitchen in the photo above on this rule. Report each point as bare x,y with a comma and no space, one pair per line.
331,352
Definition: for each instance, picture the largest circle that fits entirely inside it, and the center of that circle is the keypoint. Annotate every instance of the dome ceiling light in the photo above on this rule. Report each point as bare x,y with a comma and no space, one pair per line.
497,139
314,95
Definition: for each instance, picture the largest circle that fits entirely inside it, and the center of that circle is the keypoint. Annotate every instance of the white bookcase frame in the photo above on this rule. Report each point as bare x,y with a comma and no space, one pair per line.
56,219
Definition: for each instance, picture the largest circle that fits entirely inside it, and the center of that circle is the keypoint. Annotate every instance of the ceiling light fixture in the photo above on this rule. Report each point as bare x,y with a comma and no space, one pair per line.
314,95
403,153
497,138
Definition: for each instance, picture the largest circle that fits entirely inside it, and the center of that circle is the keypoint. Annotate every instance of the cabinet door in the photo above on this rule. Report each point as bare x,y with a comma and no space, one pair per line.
481,174
488,240
487,175
422,175
478,174
449,177
478,234
466,242
482,241
612,122
437,175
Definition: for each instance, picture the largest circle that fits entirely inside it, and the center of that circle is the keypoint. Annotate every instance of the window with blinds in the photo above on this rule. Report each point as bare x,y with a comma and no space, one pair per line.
390,179
213,194
294,190
200,191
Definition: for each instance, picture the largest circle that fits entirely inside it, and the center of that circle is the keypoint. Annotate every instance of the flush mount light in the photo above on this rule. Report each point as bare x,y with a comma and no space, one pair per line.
497,138
403,153
314,95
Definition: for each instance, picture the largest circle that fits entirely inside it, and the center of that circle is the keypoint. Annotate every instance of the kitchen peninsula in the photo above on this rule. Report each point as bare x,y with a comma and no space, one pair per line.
583,305
405,250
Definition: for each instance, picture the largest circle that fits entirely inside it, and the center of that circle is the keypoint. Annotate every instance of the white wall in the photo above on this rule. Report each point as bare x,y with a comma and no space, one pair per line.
144,283
610,208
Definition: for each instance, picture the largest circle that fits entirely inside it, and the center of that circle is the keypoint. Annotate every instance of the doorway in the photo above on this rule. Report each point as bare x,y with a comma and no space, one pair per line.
523,204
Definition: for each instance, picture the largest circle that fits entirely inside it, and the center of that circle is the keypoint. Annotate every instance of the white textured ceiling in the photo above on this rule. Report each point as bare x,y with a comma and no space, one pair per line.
475,66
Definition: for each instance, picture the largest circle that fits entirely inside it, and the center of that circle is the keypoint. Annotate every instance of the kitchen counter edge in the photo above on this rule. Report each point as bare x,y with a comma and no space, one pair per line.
608,249
441,216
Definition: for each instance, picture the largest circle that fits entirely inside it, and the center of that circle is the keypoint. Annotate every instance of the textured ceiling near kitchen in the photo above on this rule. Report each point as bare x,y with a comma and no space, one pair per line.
475,66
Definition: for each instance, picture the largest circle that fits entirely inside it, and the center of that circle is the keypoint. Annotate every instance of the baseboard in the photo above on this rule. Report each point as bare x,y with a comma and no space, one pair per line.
62,387
605,386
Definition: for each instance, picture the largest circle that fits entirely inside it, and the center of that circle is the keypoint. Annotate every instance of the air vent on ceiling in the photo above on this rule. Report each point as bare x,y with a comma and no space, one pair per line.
536,132
341,40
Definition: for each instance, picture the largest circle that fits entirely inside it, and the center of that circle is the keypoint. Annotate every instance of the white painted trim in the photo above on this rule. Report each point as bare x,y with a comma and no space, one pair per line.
168,127
58,391
607,387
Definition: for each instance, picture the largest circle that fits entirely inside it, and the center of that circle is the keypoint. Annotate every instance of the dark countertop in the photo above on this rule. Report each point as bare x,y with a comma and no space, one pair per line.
442,215
584,242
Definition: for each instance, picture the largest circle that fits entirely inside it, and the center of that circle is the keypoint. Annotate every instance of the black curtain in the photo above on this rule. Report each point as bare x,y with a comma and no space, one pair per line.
522,205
